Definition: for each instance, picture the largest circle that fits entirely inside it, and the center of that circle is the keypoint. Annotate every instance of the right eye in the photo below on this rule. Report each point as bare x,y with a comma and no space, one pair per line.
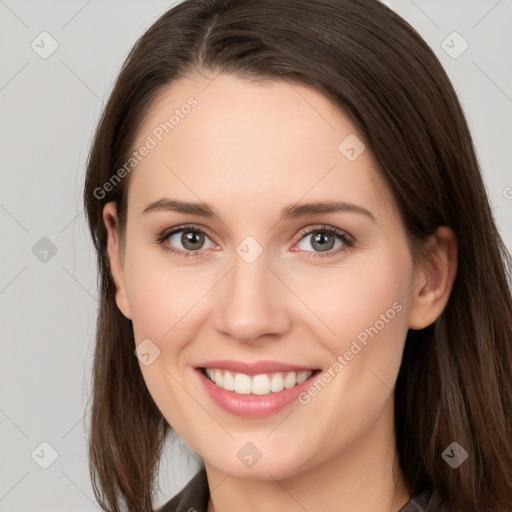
190,237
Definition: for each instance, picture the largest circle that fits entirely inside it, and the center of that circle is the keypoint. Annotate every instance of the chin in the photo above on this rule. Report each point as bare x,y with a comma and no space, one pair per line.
266,464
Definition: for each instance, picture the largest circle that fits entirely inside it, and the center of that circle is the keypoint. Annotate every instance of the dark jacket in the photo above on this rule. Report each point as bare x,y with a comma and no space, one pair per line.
195,495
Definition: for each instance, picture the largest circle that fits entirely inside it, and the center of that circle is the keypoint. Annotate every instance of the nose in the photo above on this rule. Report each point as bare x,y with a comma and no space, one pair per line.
251,303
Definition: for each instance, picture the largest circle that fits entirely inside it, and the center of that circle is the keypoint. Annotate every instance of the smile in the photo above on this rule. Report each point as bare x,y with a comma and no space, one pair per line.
256,389
261,384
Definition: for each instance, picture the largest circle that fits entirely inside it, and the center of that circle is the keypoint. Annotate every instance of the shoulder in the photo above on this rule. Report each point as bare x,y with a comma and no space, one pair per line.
426,501
193,497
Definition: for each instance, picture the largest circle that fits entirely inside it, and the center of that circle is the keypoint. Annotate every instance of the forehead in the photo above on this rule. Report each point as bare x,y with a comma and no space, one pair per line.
223,137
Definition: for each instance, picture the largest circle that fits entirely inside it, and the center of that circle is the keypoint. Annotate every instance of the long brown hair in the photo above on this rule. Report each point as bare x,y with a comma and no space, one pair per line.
455,382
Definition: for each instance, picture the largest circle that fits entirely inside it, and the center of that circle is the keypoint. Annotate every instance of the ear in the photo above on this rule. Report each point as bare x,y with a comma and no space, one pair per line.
115,257
435,279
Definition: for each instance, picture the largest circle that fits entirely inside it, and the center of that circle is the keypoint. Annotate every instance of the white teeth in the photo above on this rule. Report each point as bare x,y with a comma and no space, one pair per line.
276,383
242,384
218,377
302,376
261,384
229,381
290,380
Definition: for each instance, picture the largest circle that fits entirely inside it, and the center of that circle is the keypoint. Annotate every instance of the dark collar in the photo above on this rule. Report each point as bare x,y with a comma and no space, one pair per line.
195,495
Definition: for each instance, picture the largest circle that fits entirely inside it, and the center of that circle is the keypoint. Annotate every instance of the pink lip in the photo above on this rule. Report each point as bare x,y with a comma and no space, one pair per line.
253,368
253,405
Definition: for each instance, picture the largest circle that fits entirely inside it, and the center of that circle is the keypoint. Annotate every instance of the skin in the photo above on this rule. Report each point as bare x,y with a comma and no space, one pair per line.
250,150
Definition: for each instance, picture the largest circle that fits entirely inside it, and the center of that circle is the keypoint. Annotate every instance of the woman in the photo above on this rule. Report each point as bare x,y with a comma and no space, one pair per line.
294,240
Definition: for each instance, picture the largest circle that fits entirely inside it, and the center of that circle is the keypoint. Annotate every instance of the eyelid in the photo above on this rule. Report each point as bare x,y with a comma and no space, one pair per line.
348,240
162,237
324,227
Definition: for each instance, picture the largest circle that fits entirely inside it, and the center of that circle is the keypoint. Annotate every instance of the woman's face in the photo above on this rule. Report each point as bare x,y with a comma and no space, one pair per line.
257,288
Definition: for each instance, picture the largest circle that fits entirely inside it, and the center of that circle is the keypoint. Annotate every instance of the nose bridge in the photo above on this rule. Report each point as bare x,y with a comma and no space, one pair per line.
250,278
251,304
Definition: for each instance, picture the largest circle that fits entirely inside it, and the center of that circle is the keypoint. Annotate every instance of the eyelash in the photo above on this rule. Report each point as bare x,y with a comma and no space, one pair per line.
348,241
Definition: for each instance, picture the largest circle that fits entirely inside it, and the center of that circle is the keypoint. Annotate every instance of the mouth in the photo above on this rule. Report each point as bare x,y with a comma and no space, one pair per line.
259,384
256,389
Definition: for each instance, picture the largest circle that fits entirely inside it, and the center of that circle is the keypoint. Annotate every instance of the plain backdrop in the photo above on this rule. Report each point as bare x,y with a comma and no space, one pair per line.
49,106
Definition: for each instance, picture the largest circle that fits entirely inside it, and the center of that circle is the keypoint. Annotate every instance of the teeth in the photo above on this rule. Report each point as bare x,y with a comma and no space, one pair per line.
229,381
290,380
261,384
276,383
302,376
242,384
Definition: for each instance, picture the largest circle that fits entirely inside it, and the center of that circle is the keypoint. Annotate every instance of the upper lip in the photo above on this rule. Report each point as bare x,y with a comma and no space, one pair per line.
255,367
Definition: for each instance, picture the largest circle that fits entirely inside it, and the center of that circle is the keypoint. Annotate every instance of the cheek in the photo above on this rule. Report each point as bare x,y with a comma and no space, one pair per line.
164,306
366,308
363,301
161,295
366,312
370,307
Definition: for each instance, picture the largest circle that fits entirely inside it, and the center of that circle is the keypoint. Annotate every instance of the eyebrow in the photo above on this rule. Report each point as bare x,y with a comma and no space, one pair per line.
293,211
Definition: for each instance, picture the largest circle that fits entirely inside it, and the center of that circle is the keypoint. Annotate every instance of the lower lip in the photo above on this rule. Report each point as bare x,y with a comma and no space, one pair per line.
253,405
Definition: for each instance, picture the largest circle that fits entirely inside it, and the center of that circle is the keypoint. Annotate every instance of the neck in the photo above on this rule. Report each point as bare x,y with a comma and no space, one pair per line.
363,477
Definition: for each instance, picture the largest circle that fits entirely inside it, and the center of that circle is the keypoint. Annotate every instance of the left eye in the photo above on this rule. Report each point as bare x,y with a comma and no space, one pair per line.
324,239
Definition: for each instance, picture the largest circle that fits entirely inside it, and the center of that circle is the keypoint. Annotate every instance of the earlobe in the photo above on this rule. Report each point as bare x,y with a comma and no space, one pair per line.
111,221
435,280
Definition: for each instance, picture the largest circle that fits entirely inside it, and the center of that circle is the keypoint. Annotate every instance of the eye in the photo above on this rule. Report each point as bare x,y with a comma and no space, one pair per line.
191,239
323,239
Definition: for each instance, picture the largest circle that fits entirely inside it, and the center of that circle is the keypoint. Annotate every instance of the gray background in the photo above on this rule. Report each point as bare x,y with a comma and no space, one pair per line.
48,110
